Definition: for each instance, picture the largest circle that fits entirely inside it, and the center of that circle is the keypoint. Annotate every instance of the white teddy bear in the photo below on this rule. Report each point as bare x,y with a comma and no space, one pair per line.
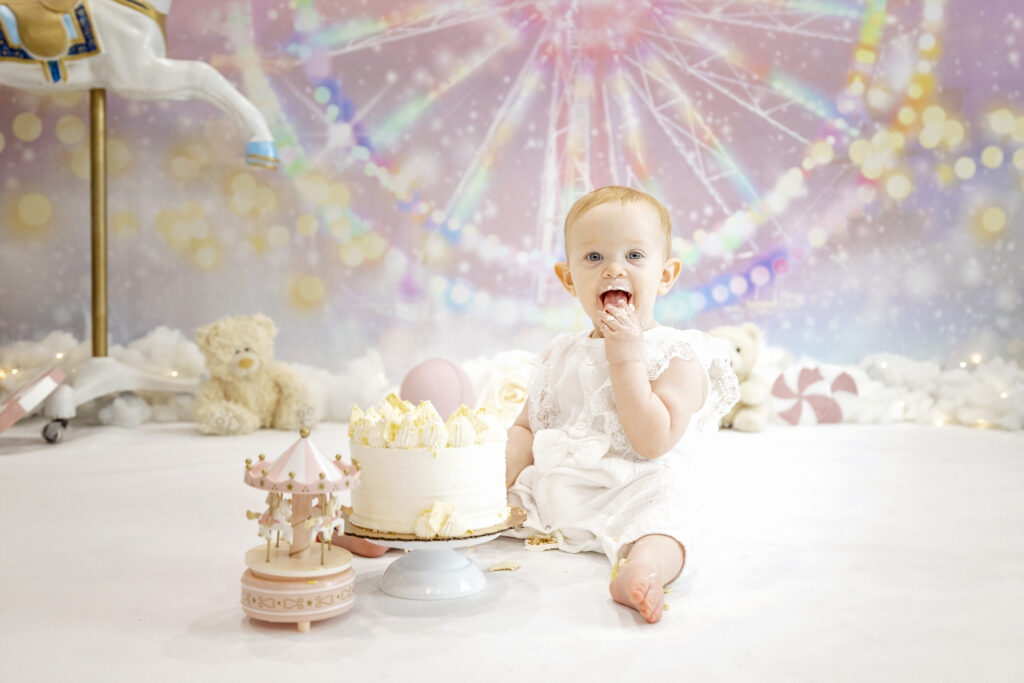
752,411
247,388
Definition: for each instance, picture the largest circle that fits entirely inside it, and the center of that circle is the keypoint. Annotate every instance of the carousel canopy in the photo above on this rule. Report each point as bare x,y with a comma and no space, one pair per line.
303,468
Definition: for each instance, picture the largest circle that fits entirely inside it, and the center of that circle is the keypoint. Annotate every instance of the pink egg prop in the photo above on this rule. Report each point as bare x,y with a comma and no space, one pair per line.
441,382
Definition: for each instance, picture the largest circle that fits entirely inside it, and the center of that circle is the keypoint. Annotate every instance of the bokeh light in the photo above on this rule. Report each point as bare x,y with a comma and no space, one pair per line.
27,126
34,210
807,151
70,129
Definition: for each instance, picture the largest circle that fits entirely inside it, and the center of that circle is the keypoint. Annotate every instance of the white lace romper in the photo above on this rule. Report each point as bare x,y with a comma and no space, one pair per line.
588,488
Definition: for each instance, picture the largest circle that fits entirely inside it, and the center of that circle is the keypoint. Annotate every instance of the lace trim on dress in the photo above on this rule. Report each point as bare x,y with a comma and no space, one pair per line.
658,365
602,408
723,386
724,389
542,410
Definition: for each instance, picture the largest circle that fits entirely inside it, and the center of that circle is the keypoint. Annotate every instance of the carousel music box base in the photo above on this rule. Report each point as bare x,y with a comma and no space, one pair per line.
297,590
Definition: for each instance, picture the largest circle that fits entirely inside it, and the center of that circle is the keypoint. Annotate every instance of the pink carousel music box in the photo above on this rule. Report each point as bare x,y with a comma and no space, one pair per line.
288,580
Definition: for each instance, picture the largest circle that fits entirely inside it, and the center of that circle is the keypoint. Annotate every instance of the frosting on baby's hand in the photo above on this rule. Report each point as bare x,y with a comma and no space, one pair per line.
623,334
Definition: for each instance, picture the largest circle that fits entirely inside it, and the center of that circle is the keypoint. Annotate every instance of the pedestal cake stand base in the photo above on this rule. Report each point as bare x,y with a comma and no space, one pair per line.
433,570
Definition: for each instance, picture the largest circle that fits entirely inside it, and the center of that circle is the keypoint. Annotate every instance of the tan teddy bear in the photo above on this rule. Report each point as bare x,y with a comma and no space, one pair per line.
752,411
247,388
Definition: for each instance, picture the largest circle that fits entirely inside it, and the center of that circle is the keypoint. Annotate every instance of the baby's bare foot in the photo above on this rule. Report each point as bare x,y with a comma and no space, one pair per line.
636,586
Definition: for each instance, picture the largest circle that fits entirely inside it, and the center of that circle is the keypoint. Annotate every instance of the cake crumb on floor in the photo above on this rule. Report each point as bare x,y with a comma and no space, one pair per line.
504,566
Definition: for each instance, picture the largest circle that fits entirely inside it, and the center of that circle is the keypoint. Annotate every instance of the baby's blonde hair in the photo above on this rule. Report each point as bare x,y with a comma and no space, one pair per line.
618,193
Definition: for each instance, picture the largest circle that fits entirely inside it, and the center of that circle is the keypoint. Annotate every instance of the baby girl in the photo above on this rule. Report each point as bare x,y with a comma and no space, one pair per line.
593,457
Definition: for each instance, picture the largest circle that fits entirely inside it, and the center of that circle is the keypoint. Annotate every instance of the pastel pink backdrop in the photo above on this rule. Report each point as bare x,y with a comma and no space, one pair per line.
846,174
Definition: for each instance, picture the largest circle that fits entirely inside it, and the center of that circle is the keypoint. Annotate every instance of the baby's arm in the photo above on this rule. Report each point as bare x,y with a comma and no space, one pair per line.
519,449
655,414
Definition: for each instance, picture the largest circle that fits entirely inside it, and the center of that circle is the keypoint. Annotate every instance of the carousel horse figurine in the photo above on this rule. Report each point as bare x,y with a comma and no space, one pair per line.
276,518
326,524
55,45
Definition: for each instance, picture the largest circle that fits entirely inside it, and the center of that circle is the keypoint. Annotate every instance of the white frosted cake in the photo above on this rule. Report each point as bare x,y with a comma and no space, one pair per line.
423,476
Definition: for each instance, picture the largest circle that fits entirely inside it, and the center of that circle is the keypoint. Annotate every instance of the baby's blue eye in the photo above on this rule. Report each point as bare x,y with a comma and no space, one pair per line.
634,255
593,256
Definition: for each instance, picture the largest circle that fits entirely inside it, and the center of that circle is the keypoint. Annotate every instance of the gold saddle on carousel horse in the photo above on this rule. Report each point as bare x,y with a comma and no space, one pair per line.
51,31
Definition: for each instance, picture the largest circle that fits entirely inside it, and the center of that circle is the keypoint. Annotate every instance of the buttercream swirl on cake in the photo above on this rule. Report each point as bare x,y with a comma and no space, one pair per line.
378,435
461,433
441,520
395,423
408,435
434,434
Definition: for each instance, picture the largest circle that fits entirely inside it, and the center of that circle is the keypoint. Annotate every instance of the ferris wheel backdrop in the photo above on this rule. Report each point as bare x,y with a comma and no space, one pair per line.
847,174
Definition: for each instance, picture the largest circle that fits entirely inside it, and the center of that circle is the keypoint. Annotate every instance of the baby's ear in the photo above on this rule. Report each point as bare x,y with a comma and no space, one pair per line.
669,273
565,277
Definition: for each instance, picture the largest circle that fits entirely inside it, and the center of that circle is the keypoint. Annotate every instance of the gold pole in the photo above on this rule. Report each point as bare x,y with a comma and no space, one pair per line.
98,187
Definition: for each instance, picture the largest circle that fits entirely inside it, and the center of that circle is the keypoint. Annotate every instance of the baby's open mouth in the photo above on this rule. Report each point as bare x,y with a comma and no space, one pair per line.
616,297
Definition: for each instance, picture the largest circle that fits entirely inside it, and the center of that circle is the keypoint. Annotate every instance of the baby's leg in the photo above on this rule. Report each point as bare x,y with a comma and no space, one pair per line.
359,546
652,562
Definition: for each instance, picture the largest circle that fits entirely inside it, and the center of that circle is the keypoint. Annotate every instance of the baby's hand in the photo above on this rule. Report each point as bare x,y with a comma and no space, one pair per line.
624,342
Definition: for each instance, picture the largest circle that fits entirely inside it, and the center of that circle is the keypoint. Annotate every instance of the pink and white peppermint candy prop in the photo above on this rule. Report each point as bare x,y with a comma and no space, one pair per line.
804,395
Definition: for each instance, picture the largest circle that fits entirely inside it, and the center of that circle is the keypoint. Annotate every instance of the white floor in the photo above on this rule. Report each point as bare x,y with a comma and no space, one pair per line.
836,553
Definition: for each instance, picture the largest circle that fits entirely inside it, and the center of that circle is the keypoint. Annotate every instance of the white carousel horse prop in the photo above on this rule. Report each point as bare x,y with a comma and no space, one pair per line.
326,523
55,45
277,517
273,500
94,45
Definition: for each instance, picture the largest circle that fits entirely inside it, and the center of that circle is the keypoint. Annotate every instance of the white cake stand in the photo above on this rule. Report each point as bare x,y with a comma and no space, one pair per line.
433,570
